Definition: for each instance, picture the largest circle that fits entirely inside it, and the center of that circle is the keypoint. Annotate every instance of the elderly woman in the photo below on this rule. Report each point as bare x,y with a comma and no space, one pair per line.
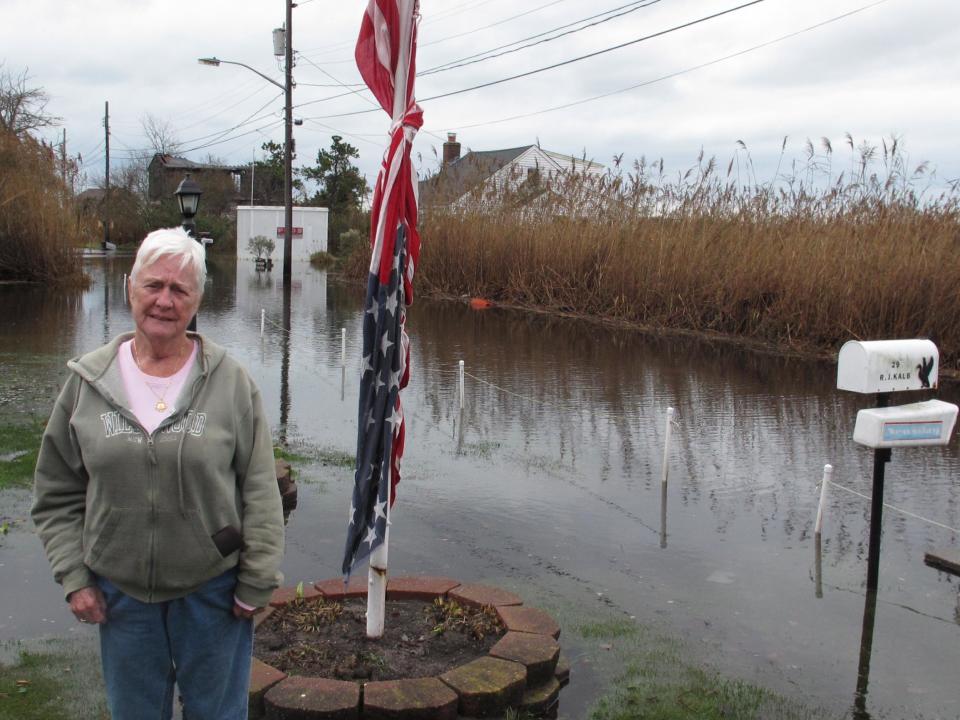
157,501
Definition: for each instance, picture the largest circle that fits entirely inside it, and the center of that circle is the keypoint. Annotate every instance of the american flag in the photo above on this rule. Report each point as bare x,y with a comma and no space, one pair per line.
385,54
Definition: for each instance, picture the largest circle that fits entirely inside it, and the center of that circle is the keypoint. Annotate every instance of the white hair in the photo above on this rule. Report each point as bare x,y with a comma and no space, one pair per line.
173,241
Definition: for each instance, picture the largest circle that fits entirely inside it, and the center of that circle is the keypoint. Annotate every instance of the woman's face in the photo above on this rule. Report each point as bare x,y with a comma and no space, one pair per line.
164,299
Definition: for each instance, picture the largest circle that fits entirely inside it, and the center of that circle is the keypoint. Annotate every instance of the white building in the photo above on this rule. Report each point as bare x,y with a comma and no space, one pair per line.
309,230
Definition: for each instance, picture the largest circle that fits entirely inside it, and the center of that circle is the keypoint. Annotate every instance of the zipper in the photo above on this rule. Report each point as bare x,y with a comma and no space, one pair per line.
152,496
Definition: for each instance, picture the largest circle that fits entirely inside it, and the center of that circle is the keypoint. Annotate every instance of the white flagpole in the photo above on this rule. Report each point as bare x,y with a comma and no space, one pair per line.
377,585
377,574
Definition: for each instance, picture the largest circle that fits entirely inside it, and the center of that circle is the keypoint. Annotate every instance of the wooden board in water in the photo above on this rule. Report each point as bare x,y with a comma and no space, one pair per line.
948,560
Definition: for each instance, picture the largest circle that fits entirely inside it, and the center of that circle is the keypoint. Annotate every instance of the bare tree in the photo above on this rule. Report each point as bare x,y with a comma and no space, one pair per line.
22,108
160,134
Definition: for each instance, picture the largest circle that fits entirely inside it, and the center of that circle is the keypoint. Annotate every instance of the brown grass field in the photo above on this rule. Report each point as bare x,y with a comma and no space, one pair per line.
800,265
39,227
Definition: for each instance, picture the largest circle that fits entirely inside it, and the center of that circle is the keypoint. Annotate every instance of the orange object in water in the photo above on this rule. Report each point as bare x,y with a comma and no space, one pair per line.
480,303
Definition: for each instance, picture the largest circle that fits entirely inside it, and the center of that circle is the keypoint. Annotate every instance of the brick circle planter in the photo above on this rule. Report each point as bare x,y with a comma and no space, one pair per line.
524,669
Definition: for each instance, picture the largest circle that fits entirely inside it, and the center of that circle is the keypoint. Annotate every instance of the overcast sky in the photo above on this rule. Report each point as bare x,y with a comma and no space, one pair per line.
889,68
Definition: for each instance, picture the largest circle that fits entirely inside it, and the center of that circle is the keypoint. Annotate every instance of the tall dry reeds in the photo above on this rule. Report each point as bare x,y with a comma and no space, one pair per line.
803,263
39,228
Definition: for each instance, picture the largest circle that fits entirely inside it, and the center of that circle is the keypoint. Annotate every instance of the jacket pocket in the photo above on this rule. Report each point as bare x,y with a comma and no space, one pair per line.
118,547
133,541
185,553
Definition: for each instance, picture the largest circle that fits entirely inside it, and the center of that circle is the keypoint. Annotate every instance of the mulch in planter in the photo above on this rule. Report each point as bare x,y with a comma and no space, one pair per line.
327,639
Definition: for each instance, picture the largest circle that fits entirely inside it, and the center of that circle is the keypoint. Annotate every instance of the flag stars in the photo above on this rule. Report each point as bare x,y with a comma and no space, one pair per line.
391,303
385,343
395,417
367,365
371,537
379,510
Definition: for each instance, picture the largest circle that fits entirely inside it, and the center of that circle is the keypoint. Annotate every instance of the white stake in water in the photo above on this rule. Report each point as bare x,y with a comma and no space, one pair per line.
827,476
664,471
664,474
263,320
461,384
343,347
124,287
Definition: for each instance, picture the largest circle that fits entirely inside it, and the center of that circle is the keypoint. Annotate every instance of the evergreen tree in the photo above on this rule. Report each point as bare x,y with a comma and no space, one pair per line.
341,187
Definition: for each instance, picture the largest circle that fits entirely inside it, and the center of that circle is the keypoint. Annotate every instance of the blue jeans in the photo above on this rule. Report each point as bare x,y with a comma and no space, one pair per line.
194,641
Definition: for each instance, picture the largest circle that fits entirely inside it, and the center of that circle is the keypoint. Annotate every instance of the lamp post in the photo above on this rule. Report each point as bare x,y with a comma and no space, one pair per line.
287,87
188,194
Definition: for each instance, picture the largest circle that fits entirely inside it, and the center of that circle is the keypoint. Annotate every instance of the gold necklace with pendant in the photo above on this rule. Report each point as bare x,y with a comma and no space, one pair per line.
161,404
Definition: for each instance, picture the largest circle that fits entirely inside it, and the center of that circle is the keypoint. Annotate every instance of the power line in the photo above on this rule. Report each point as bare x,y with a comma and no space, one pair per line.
493,24
461,34
684,71
336,47
252,118
341,84
485,55
596,53
600,52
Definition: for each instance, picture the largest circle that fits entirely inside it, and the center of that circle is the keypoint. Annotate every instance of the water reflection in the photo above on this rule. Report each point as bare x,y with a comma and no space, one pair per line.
285,364
866,649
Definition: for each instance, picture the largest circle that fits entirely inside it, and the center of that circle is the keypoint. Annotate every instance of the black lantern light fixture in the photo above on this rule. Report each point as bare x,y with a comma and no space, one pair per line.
188,197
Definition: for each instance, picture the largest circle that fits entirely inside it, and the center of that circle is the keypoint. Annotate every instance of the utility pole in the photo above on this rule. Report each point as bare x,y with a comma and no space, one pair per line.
106,191
288,150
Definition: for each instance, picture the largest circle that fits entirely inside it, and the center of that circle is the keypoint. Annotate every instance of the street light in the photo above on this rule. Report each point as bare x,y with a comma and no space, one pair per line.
188,194
188,198
287,87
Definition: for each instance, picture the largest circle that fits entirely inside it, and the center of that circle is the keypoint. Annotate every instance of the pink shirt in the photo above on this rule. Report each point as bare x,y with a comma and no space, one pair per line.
146,393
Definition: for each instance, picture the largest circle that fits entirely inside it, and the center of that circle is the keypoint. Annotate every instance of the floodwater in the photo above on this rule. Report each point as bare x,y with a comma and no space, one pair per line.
549,481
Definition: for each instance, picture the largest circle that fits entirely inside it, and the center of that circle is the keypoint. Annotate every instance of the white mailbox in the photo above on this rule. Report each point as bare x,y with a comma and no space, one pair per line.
882,366
923,423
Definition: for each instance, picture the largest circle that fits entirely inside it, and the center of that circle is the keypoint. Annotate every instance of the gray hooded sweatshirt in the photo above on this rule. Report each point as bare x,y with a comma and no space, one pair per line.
141,510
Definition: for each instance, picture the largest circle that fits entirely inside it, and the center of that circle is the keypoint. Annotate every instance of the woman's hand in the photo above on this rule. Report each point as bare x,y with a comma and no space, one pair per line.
242,612
88,606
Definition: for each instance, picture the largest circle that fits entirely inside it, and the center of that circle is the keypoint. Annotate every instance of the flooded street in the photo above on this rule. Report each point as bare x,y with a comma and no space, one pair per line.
548,482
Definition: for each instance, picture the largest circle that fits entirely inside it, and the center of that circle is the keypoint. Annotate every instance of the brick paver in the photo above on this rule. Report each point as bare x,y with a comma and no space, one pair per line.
528,620
262,678
333,589
541,699
481,595
538,653
487,686
306,698
411,699
419,587
562,673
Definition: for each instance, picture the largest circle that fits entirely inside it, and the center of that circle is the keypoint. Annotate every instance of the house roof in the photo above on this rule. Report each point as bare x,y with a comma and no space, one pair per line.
469,171
90,195
178,163
465,173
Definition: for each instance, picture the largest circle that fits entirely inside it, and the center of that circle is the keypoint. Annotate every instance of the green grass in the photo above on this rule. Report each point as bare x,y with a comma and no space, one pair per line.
337,458
281,453
653,677
19,444
52,680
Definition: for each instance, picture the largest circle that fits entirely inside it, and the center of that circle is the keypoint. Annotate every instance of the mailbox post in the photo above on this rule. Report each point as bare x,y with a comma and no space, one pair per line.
882,367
